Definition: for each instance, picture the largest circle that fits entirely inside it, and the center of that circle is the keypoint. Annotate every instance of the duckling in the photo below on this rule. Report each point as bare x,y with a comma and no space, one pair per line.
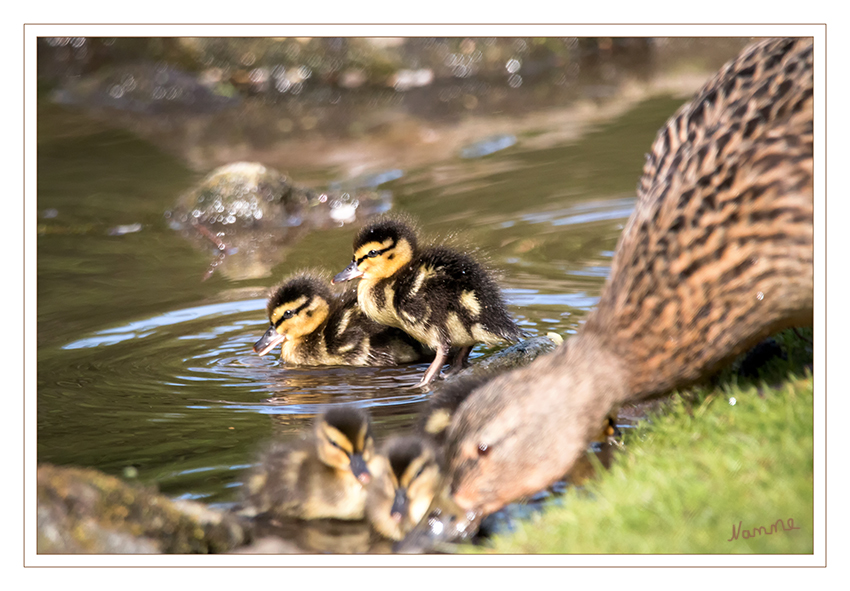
315,327
438,295
434,422
322,476
717,255
402,490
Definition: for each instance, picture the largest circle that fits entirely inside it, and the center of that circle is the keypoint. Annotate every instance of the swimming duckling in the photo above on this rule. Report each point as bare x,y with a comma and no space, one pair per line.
322,476
403,488
315,327
438,295
717,255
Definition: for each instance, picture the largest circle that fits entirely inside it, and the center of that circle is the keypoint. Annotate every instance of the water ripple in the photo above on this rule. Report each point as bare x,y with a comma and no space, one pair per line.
144,328
584,213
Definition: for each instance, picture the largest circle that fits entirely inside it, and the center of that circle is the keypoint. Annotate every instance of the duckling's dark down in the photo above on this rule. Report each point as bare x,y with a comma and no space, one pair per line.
716,256
320,476
443,404
435,420
316,327
440,296
402,490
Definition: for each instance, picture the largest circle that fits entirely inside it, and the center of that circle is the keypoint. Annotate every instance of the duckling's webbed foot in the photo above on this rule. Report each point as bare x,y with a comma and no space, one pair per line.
460,360
434,369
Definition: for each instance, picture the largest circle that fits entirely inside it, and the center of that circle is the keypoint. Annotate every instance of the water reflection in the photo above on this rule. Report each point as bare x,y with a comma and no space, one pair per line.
584,213
143,328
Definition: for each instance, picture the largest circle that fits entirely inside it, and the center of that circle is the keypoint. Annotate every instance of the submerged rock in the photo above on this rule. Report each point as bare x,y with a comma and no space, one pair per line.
243,195
516,355
82,510
246,213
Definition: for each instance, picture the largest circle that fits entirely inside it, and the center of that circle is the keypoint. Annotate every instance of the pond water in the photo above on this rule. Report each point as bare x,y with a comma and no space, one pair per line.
145,368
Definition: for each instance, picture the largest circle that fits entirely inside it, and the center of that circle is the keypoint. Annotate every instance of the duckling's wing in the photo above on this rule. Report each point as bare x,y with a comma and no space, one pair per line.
446,286
344,331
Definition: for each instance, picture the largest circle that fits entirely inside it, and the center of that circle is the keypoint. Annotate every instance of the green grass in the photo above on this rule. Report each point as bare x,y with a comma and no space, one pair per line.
694,469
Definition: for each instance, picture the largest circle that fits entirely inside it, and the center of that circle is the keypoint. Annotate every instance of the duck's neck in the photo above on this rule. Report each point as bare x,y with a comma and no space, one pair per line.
579,384
593,379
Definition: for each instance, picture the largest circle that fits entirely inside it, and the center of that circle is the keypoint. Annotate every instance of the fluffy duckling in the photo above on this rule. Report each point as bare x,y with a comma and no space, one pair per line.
434,422
438,295
315,327
717,255
404,487
322,476
442,405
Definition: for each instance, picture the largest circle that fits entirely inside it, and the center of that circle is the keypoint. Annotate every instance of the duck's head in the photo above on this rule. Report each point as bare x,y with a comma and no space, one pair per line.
344,441
296,308
402,493
518,433
380,249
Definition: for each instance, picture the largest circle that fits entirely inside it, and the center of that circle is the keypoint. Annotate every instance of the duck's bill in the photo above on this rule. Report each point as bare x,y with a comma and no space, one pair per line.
359,469
349,273
445,522
399,508
268,341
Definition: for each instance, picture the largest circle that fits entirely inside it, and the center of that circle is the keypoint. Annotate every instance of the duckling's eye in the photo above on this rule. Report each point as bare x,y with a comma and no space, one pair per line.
288,314
338,446
372,253
483,450
418,474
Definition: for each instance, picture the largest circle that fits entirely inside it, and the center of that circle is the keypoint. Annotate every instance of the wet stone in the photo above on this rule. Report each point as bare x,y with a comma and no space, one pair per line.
517,355
246,214
82,510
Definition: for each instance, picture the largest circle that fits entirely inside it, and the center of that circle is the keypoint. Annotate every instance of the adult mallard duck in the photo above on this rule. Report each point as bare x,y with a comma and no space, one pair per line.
717,255
439,295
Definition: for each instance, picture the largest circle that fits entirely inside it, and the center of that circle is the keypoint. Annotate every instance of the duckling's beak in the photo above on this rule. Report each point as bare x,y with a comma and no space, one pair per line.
349,273
445,522
399,508
268,341
359,469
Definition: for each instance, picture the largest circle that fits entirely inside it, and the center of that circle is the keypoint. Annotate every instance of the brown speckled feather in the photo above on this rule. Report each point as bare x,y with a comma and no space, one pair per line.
718,252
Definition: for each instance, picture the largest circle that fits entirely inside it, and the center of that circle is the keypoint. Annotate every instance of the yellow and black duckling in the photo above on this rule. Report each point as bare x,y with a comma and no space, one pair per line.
316,327
438,295
717,255
322,476
402,490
